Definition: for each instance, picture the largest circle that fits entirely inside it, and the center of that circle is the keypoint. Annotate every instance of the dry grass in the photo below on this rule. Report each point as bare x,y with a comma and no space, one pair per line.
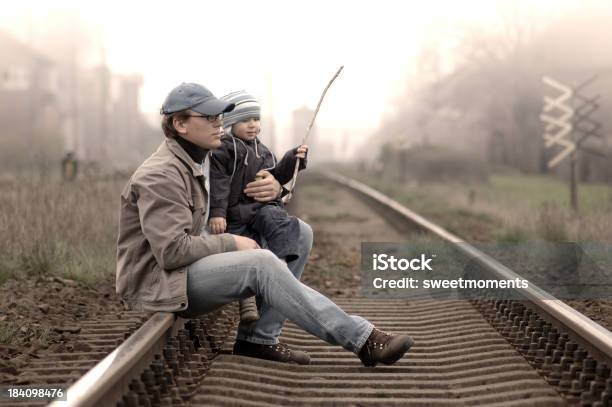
50,227
523,211
521,220
11,333
8,332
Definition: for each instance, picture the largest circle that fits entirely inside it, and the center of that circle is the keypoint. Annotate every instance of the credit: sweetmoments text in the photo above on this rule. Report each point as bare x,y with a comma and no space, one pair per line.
383,263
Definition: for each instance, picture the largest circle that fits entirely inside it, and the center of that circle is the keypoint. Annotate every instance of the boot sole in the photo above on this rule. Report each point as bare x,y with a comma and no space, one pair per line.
288,362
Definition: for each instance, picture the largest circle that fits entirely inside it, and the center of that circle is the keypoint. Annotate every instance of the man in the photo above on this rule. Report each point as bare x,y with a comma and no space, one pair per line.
166,261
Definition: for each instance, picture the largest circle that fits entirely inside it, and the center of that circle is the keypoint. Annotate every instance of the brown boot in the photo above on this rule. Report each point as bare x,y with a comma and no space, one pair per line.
248,310
383,347
278,353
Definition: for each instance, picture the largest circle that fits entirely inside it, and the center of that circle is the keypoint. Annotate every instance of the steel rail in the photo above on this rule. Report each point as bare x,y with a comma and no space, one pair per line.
594,337
106,383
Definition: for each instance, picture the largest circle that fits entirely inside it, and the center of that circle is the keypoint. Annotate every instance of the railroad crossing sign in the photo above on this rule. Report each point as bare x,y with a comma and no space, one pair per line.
568,119
568,124
558,115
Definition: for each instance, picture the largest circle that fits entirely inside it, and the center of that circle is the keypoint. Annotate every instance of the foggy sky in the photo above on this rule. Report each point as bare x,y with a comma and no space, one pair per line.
283,52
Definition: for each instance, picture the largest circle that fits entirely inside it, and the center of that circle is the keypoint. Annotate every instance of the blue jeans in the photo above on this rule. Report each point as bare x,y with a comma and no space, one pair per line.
219,279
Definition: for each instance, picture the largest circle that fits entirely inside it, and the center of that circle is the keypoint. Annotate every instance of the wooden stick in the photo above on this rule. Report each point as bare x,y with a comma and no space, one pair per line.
314,116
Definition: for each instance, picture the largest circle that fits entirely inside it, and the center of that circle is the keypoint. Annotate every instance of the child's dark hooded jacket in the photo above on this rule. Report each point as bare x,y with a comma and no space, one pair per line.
243,159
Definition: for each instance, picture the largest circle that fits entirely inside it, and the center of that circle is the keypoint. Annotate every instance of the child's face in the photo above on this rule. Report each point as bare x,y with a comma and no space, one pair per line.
247,129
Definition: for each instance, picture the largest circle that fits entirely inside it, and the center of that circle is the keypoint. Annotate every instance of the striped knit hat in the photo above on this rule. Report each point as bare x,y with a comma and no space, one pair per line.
246,106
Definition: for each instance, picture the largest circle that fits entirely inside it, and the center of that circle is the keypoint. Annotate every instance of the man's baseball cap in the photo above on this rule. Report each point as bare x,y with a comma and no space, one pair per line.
197,98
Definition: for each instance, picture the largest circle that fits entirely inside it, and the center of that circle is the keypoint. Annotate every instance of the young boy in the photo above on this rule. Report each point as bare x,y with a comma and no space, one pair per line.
238,161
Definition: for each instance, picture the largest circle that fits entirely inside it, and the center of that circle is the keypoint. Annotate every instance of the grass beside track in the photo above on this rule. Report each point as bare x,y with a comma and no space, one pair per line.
55,228
512,208
538,190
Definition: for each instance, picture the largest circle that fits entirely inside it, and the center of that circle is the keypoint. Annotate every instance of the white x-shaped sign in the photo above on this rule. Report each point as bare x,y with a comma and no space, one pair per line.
558,127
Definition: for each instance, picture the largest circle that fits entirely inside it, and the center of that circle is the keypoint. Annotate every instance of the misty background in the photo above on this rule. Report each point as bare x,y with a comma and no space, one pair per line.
456,87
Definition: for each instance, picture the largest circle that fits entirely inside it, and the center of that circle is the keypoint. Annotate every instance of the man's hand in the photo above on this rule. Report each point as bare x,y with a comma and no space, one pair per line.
244,243
265,187
217,225
301,151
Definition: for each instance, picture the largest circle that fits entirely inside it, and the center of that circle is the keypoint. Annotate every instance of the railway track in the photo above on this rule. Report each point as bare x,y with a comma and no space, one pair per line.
96,339
114,350
511,353
458,359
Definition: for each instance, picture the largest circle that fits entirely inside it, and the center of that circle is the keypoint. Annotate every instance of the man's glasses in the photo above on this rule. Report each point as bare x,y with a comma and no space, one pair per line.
211,119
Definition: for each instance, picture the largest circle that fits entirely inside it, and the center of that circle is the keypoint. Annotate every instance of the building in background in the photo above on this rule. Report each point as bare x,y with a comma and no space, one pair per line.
112,132
92,121
131,139
300,118
30,113
51,107
321,149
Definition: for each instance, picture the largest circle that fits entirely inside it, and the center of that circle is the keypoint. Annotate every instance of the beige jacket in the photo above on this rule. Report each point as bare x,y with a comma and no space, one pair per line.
163,208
